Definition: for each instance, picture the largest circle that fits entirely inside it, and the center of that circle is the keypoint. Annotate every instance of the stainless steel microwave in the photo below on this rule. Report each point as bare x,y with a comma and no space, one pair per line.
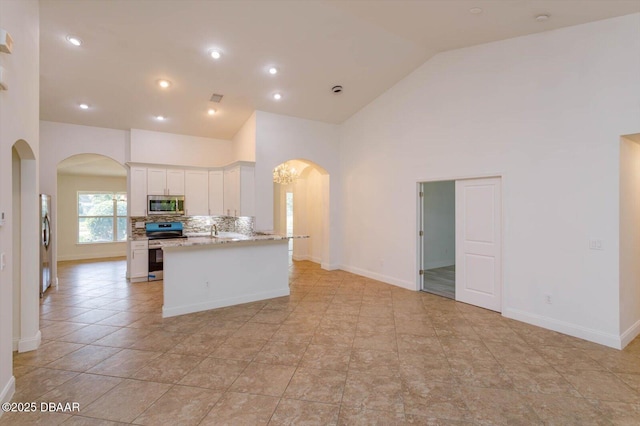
165,204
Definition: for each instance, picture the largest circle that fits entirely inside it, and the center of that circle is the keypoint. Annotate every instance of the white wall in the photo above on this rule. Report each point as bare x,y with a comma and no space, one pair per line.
311,209
280,138
545,111
179,150
68,187
629,238
244,142
19,113
439,224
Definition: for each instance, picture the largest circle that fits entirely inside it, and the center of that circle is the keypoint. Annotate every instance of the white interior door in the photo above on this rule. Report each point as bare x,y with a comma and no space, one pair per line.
479,242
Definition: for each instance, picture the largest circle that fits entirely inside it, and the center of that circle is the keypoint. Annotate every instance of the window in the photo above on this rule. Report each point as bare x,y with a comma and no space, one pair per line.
102,217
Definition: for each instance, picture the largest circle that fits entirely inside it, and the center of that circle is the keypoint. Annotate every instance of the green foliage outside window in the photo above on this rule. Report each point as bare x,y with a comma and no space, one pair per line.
102,217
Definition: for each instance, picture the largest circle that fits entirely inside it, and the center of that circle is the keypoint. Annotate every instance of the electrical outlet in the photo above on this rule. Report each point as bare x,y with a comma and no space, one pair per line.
140,225
595,244
2,261
547,299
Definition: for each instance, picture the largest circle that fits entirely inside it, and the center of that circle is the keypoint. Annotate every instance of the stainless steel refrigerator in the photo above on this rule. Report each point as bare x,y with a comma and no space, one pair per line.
46,243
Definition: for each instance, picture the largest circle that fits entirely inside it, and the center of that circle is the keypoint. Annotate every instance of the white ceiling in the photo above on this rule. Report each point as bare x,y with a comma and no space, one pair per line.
91,165
366,46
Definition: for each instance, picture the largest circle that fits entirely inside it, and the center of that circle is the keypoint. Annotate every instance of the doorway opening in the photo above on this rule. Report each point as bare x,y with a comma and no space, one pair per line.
301,206
460,240
25,250
91,207
629,236
438,235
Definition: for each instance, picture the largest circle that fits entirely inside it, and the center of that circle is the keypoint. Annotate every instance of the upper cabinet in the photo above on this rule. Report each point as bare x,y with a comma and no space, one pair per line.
165,181
196,192
228,192
216,192
239,191
137,200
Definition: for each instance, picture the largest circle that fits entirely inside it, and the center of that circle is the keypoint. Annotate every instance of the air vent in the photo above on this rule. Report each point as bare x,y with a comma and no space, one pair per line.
216,98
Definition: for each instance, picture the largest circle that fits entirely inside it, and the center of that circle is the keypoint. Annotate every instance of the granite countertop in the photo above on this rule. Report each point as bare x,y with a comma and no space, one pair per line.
224,238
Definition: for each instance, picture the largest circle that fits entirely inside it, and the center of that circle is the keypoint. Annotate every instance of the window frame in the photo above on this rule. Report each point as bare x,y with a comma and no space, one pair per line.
114,216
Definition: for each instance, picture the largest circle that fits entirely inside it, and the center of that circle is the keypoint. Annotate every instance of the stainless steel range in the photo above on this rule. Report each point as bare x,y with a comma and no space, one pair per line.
158,232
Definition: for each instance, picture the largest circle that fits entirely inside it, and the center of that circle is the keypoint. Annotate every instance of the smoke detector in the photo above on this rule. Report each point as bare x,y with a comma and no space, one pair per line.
216,98
336,89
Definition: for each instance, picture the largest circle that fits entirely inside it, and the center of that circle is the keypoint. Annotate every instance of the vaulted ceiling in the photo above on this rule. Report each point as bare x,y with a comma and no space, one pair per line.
365,46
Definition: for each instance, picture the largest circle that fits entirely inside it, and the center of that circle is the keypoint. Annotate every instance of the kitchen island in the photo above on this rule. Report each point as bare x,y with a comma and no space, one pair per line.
203,272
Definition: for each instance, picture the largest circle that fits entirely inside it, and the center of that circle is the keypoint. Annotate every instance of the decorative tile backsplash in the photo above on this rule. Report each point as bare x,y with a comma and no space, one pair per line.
193,224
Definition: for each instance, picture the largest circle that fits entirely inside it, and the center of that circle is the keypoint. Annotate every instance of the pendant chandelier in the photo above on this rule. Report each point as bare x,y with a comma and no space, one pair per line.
284,175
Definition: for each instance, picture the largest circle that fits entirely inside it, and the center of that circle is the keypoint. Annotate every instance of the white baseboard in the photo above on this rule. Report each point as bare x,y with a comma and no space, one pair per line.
15,344
574,330
119,253
298,258
7,391
30,344
310,258
379,277
329,266
630,334
221,303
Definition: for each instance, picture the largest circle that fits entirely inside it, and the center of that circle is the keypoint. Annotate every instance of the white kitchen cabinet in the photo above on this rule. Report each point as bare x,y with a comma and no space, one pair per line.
196,192
239,191
139,263
156,181
165,181
216,192
231,192
137,191
175,182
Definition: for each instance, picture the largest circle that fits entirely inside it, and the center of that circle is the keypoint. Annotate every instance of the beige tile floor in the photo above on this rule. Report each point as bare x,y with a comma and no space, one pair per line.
342,349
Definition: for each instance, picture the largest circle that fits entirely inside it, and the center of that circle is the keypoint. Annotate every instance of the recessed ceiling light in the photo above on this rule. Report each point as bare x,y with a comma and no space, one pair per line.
74,40
273,70
164,83
215,54
160,117
277,96
475,10
542,18
211,111
84,106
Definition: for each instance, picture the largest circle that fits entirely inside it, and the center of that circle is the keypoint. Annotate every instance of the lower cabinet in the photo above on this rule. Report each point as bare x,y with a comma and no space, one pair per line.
139,261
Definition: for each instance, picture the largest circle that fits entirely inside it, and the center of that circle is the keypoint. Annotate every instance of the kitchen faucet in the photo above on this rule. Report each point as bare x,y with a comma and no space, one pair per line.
214,230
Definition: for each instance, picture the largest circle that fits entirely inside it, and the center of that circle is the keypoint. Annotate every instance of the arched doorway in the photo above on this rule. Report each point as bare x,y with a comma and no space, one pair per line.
302,207
90,220
25,248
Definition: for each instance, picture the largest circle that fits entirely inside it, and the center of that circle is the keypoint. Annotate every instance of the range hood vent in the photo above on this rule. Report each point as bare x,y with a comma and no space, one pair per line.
216,98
